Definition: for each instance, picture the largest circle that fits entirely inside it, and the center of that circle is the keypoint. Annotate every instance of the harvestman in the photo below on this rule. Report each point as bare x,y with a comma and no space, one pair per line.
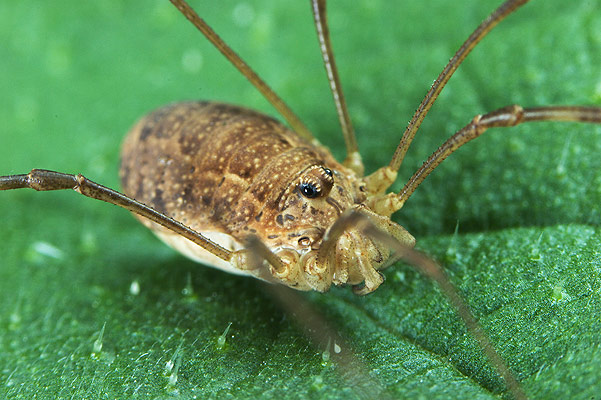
237,190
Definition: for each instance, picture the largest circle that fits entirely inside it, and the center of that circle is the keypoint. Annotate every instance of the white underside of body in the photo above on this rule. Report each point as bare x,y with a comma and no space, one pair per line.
198,254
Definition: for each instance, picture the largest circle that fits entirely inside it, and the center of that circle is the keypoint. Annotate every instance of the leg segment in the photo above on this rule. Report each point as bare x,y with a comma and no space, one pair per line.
426,266
481,31
244,69
501,118
353,158
43,180
382,178
316,327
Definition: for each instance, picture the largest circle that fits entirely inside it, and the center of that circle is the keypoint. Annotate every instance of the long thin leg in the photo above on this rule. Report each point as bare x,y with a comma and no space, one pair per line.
426,266
43,180
501,118
353,158
316,327
432,270
248,72
322,333
481,31
388,173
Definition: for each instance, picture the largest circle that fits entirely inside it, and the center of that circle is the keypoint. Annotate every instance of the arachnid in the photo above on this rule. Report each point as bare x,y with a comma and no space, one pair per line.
484,157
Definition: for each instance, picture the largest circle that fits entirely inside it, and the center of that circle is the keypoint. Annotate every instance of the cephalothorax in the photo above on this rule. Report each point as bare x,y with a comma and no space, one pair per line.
238,190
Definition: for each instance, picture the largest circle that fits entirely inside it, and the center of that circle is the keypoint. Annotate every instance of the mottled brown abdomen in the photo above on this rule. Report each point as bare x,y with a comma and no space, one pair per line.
213,166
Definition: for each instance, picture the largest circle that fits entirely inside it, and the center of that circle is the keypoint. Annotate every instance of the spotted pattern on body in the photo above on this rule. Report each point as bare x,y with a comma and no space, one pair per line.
223,168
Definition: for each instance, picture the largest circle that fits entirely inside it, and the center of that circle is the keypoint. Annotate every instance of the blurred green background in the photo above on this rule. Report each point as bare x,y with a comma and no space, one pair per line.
514,216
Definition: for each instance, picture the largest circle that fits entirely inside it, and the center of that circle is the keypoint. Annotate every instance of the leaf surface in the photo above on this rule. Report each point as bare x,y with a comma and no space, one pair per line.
93,306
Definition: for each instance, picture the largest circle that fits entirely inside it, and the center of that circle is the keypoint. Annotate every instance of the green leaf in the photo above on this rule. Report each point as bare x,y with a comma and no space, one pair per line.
93,306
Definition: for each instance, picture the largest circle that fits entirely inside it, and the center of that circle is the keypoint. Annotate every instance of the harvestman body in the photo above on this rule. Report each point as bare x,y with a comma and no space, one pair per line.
236,189
228,172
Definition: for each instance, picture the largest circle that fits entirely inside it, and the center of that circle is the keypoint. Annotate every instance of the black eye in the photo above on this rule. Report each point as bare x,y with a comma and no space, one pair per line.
327,171
309,190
